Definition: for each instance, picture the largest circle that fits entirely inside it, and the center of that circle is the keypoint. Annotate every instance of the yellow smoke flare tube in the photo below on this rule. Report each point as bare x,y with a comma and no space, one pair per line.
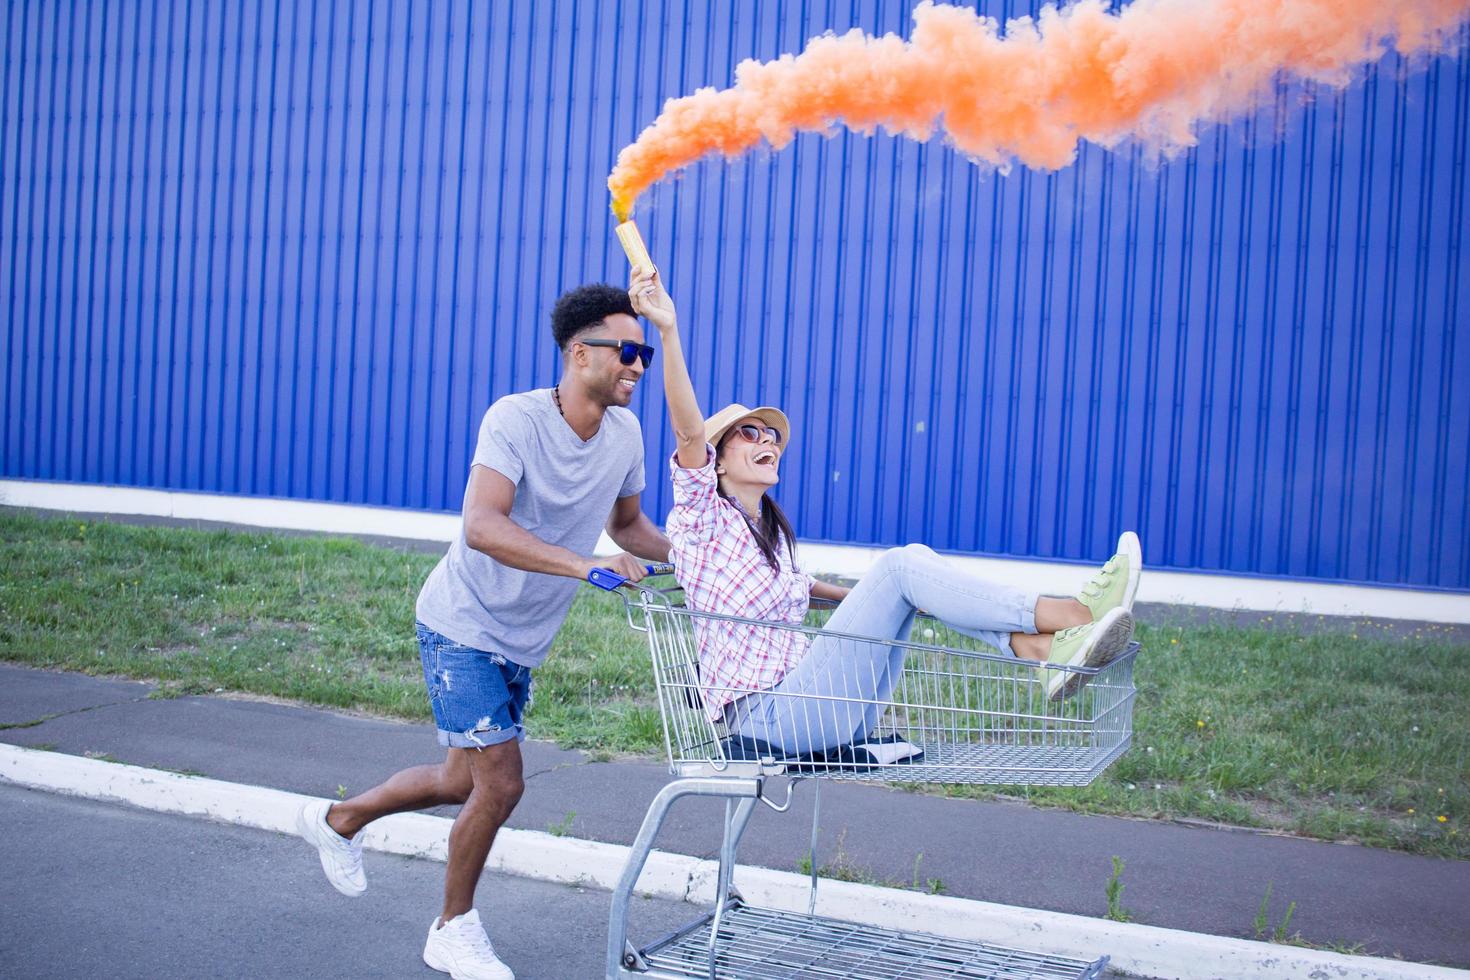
633,244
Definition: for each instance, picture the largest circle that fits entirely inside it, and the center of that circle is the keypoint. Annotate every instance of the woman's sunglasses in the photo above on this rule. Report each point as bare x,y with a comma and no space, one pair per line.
627,350
751,432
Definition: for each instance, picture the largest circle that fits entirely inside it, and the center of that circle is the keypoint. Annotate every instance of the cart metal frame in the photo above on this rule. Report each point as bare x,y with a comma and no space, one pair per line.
977,715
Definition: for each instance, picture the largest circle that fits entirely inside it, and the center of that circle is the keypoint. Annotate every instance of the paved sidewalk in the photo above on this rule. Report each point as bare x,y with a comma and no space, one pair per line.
1178,877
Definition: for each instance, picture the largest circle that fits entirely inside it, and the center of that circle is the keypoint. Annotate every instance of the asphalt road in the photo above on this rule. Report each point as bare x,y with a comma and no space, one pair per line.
95,890
1180,877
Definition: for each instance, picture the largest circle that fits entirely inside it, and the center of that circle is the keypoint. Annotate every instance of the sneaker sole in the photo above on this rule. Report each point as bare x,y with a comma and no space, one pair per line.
434,963
1129,547
1111,641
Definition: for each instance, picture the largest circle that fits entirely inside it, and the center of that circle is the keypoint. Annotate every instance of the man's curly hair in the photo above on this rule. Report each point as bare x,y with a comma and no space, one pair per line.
584,308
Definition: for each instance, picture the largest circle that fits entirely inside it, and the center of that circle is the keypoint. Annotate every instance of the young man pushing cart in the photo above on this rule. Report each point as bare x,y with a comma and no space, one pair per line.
552,467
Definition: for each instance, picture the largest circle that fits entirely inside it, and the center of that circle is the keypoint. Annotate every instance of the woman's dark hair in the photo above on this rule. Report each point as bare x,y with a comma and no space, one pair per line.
772,528
585,307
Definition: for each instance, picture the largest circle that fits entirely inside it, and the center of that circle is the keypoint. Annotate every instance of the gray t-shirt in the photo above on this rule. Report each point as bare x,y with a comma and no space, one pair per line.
565,490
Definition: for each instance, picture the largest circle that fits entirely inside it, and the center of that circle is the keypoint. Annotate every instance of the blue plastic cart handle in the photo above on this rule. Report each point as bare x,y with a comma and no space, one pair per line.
607,579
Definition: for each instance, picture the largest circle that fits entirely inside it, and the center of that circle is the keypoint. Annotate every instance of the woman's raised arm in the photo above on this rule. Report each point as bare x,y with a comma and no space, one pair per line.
654,304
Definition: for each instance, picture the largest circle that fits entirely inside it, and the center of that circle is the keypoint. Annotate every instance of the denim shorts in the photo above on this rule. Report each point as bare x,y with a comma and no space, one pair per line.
479,699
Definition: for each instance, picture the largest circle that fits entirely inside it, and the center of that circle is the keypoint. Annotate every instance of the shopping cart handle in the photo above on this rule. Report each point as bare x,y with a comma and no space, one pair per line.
605,578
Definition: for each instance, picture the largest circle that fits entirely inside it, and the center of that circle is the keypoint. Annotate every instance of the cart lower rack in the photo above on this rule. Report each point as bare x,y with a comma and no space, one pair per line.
958,712
759,944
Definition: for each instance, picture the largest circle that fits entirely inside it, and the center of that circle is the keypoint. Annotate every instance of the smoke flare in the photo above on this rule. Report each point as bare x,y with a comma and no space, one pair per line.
1151,72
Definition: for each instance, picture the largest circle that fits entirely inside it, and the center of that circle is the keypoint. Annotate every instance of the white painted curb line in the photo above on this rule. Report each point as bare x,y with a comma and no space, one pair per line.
1138,949
1212,590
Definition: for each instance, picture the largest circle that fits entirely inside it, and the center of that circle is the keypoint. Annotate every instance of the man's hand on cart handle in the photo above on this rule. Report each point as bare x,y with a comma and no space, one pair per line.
621,564
607,578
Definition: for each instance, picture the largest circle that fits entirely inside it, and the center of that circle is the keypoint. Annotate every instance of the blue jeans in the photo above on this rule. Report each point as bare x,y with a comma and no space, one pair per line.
478,698
835,695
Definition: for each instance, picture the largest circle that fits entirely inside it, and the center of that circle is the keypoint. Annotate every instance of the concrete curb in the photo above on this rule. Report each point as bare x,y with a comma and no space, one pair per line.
1138,949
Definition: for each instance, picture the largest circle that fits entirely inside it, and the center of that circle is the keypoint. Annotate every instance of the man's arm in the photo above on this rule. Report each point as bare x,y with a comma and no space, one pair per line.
489,529
632,531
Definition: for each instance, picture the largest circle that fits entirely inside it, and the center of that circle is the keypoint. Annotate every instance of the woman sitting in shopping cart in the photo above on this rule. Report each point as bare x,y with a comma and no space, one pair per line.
734,552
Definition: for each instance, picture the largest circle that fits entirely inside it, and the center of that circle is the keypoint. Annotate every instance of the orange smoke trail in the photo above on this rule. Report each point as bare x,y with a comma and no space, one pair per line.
1151,72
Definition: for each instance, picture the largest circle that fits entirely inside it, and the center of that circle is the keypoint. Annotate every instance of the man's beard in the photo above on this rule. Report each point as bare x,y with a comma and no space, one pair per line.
610,394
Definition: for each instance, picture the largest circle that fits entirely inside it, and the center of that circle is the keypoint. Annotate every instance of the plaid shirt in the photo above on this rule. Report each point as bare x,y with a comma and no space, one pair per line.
721,570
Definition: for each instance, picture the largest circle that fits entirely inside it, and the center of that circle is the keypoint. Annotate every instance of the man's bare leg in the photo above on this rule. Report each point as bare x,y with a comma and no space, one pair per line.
418,788
487,782
497,786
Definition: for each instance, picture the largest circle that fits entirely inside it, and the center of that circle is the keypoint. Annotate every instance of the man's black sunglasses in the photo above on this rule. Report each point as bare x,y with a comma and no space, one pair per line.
627,350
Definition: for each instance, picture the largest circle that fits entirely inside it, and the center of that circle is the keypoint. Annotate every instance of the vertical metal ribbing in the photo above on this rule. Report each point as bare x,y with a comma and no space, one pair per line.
10,246
169,443
43,219
503,334
262,249
360,325
1414,394
278,239
301,125
201,465
69,128
87,243
1450,522
448,412
323,100
252,397
38,219
423,123
152,434
426,387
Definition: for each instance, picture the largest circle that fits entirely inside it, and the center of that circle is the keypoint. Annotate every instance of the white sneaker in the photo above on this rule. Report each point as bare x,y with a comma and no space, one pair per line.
886,752
341,858
462,950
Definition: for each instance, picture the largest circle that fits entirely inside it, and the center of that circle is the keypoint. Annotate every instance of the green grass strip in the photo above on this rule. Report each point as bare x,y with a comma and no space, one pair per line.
1324,735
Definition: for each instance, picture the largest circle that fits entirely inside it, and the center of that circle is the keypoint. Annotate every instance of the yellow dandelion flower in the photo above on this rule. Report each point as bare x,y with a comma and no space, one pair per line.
1199,724
1411,811
1442,818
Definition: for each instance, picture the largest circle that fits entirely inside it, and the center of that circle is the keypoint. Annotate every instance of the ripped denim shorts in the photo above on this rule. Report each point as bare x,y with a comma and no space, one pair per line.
479,699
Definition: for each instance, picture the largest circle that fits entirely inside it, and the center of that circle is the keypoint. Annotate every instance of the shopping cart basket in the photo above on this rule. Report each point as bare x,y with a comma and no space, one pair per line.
960,712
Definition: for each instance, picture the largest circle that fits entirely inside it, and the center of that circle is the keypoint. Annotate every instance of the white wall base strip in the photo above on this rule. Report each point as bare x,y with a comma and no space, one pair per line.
271,512
1275,595
1141,950
1184,588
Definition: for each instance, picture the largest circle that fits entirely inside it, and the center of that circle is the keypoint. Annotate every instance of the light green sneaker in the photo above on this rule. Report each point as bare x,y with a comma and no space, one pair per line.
1115,584
1092,645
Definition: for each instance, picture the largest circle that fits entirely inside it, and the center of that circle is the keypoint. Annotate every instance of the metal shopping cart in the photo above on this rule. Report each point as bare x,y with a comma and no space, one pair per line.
960,712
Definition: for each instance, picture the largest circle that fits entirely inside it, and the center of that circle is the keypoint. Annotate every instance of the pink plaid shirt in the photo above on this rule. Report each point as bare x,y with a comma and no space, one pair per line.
721,569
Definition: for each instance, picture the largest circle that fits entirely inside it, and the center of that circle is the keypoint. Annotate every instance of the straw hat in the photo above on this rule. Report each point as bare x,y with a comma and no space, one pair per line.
722,421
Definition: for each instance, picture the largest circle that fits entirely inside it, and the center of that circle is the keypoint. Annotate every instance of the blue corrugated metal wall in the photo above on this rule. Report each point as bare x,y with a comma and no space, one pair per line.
296,249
